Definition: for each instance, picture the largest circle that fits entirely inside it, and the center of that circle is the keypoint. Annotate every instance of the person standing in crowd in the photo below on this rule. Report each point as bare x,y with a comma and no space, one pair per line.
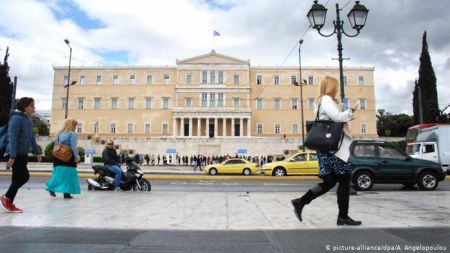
65,177
198,163
334,167
20,140
111,161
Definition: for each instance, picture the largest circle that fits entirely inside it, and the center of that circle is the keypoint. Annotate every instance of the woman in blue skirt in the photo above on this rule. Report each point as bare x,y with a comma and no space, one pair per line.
65,177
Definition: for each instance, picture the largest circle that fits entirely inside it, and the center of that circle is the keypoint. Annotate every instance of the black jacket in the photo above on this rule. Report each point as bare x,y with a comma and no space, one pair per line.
110,157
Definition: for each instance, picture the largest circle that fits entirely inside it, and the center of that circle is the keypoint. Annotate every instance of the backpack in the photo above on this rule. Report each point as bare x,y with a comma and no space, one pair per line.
3,140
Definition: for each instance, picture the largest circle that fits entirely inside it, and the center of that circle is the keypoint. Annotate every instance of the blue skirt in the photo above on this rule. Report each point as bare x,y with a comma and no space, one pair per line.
329,163
64,179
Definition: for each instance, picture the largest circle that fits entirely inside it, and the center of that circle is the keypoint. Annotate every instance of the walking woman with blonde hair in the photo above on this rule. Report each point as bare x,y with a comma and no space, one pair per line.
333,167
65,176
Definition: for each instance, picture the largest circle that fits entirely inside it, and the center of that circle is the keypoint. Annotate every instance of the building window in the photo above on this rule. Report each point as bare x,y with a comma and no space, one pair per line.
259,79
362,103
259,103
189,79
236,79
188,102
115,79
98,80
295,128
80,103
276,79
204,77
294,103
113,128
131,103
236,102
311,103
79,128
259,128
95,127
66,80
165,128
165,103
130,128
166,79
212,100
364,128
149,79
97,102
277,128
113,103
345,80
148,103
82,79
220,76
63,103
293,79
361,80
277,103
310,80
212,77
147,128
220,100
132,79
204,99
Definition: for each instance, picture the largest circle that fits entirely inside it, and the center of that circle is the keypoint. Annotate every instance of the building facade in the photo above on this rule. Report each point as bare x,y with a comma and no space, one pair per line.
208,97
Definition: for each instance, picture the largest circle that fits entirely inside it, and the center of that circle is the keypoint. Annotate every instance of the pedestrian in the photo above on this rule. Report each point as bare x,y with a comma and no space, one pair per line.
159,159
198,163
147,159
65,177
20,140
334,167
112,162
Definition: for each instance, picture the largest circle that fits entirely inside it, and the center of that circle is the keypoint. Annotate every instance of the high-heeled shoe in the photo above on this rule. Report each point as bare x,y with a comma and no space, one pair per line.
53,194
67,196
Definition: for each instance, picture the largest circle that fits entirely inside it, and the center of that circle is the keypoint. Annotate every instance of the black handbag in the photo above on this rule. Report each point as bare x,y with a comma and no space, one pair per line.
324,135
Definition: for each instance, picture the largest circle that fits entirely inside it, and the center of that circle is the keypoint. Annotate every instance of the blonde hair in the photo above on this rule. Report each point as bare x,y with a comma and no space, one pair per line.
68,126
328,86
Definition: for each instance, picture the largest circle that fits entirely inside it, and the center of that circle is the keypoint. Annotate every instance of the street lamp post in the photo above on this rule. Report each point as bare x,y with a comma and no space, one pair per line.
301,91
357,17
68,78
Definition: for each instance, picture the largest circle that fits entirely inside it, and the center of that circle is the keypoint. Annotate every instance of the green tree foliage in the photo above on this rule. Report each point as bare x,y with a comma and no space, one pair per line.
391,125
6,89
39,127
427,84
48,151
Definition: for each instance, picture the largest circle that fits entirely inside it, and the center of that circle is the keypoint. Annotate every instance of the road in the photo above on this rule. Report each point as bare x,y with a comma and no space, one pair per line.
229,186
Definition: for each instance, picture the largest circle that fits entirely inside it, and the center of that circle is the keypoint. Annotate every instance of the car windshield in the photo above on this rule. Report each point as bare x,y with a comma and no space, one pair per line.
413,149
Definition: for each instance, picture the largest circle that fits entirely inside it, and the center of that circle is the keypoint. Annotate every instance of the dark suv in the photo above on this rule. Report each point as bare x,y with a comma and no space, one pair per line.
381,162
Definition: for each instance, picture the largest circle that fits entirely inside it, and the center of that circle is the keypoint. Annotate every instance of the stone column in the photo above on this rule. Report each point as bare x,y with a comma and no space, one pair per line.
249,127
207,127
174,127
232,127
199,126
241,127
190,127
216,127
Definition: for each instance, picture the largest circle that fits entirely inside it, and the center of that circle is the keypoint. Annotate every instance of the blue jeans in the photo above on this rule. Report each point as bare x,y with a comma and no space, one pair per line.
116,169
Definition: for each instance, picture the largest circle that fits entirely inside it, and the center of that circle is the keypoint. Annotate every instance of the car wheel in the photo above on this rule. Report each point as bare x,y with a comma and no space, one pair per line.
363,181
279,172
213,171
246,172
427,181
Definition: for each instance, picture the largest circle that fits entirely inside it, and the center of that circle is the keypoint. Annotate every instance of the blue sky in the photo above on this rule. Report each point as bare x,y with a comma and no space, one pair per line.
157,32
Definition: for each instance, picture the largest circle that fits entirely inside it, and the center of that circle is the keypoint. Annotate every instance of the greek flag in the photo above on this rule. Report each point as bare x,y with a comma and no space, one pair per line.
216,33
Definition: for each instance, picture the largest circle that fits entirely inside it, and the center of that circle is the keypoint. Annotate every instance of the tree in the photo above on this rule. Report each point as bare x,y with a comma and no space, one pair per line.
6,89
394,125
427,85
39,127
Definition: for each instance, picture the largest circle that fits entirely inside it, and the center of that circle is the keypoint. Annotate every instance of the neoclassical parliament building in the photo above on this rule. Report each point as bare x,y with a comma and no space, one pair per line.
212,103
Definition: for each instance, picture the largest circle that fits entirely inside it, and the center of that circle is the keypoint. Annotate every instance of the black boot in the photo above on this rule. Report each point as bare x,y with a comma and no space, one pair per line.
301,202
347,221
67,196
52,193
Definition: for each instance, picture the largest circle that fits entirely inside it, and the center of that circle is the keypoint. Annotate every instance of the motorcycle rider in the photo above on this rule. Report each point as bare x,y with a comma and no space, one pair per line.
112,161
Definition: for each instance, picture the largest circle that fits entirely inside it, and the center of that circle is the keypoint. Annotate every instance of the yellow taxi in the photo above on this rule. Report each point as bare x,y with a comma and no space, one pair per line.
233,166
302,163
